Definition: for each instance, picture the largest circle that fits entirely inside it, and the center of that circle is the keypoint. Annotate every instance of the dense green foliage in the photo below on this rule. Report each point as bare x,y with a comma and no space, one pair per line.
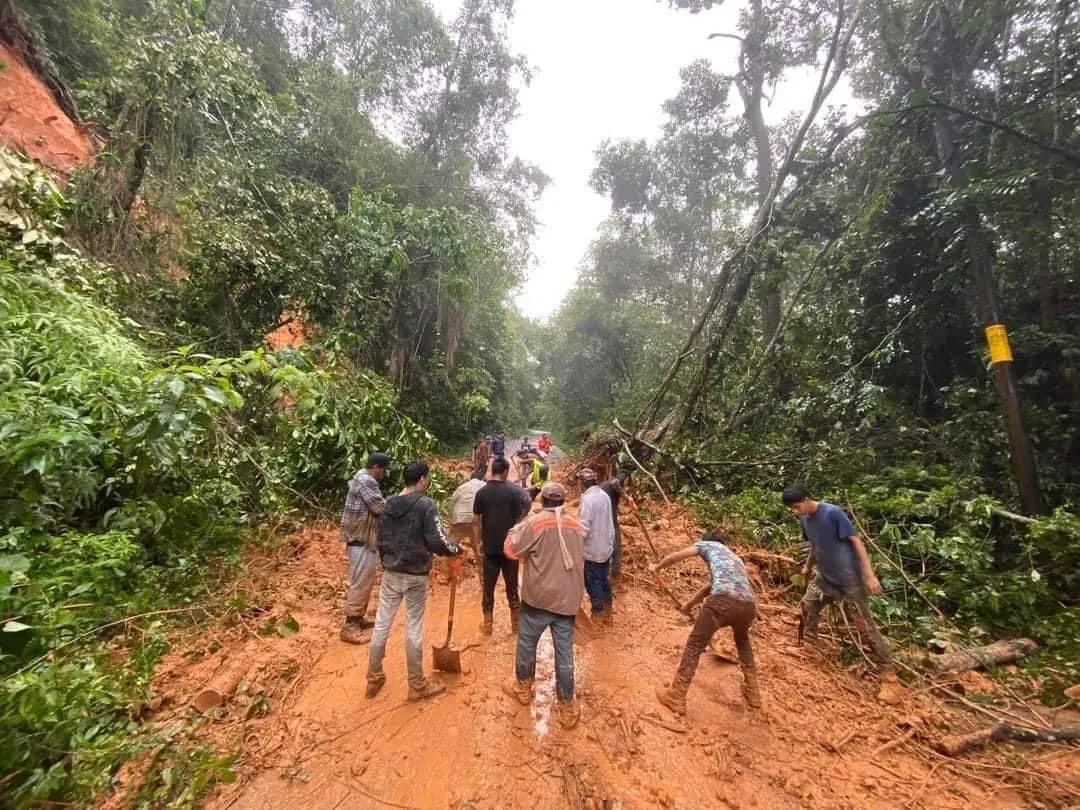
339,170
344,164
870,383
124,473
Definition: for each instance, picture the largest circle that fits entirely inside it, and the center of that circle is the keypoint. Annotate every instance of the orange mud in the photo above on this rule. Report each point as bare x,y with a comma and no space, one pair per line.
306,737
33,124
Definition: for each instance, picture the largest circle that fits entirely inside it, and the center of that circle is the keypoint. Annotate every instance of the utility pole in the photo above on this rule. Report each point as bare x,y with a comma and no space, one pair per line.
981,260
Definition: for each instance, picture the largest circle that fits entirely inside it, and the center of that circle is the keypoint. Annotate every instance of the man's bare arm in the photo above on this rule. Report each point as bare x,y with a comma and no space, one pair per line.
869,577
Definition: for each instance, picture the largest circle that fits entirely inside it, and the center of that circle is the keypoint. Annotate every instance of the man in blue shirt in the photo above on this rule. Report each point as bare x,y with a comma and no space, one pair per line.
729,603
845,574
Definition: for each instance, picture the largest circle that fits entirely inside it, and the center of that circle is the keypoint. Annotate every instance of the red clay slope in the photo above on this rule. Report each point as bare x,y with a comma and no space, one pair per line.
32,123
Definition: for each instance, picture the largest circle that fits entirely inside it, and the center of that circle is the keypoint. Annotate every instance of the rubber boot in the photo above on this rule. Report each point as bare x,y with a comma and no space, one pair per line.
568,713
374,684
489,623
355,631
521,691
750,692
422,688
674,697
515,619
892,692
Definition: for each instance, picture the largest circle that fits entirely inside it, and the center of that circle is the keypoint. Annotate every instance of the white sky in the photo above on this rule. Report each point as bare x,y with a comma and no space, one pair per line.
602,68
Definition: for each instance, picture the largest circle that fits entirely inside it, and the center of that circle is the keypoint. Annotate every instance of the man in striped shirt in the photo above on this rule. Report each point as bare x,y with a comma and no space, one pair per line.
359,530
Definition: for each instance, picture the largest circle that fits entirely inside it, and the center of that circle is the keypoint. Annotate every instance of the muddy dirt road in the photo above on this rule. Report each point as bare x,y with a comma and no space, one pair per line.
307,738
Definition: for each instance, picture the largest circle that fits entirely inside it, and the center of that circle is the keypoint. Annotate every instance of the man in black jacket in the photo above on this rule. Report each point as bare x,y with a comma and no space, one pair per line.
409,533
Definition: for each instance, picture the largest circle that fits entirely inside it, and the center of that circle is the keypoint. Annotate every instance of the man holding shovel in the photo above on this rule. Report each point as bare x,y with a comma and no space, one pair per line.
729,602
551,546
409,534
359,530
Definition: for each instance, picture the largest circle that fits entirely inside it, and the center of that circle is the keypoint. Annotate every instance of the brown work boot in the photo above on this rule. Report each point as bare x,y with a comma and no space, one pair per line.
355,631
521,691
674,697
422,688
489,623
568,713
750,691
515,619
374,684
892,692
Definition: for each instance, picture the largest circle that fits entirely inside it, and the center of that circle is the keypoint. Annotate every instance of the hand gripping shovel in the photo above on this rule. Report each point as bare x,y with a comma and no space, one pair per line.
446,658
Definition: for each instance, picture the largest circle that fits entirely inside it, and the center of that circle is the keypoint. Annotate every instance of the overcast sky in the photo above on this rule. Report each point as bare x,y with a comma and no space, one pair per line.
602,69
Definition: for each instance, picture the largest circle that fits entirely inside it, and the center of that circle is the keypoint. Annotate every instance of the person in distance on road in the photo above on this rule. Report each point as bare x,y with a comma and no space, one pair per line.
729,602
409,534
845,574
551,547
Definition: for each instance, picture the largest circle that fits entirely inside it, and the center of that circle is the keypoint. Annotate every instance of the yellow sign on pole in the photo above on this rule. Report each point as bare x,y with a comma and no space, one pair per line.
998,341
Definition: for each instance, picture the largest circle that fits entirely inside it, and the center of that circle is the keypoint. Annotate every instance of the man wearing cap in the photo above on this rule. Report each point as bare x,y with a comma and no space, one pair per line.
595,514
551,548
360,529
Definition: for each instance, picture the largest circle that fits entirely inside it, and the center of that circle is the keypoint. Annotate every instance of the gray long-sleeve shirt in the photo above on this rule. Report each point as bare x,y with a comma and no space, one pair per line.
595,514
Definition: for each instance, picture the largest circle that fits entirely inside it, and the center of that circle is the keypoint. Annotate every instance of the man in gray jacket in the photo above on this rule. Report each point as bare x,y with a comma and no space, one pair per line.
409,534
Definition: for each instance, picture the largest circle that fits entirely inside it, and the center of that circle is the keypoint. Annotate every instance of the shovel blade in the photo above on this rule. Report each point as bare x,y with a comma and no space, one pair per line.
446,659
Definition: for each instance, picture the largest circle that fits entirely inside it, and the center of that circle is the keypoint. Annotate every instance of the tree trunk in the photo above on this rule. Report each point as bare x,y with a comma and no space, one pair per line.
981,261
992,655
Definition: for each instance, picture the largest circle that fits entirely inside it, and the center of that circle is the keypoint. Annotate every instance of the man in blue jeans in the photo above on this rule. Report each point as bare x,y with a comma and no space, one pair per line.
595,514
551,548
409,534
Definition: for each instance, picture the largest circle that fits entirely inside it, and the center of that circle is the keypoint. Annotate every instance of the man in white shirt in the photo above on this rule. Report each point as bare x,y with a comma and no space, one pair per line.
595,514
460,510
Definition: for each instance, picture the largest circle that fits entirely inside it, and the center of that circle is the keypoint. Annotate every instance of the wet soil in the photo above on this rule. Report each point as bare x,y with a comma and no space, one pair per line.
307,738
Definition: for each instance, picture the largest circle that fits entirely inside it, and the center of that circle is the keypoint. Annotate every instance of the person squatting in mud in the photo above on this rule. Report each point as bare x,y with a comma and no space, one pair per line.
359,530
551,546
729,602
409,534
844,574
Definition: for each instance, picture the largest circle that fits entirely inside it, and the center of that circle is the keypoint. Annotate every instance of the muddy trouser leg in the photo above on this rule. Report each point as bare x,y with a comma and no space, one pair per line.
708,621
533,622
813,602
416,588
509,570
492,568
390,595
562,636
363,564
740,627
877,641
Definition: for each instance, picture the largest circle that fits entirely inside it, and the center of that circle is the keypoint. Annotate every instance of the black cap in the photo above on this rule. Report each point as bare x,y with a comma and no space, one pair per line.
378,460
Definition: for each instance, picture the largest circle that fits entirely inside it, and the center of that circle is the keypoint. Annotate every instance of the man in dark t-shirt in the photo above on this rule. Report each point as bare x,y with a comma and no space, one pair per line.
845,574
498,506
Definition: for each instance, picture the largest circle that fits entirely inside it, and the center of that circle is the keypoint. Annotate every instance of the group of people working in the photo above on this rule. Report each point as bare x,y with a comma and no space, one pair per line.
559,558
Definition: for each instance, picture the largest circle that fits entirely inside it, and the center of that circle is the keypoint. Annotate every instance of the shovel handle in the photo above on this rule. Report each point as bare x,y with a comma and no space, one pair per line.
450,619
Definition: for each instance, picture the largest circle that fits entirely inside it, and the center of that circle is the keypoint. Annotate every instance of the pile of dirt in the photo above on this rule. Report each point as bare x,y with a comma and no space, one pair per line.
32,123
307,738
